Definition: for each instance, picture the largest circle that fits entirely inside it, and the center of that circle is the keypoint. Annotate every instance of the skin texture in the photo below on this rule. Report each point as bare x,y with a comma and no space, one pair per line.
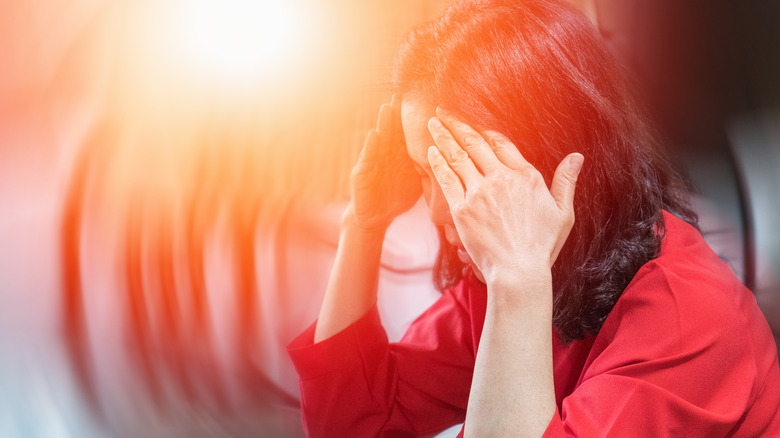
508,226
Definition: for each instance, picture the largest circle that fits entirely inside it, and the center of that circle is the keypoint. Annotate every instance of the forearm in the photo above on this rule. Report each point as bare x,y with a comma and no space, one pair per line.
512,393
352,286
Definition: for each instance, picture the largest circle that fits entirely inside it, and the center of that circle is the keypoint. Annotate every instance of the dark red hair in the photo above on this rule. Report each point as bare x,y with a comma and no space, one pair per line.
538,72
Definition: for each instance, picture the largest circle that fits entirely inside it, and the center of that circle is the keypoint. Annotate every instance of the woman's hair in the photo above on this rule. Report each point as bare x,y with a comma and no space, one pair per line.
538,72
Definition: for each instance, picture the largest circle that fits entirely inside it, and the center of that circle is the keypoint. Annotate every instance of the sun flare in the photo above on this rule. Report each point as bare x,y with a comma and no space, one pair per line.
240,39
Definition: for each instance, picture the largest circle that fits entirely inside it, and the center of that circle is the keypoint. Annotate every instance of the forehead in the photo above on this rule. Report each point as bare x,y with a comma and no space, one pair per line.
415,113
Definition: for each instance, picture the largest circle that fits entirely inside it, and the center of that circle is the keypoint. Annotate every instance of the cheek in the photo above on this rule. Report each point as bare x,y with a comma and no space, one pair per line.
426,187
437,204
436,197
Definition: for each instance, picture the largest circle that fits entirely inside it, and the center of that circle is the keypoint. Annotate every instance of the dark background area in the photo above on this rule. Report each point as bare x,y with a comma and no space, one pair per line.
710,74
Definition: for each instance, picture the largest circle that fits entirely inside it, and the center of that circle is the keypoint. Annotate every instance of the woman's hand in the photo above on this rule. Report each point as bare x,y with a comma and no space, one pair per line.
504,213
384,185
513,228
384,182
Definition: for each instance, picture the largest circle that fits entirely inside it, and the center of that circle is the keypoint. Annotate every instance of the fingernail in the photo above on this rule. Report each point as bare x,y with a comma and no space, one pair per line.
434,123
433,151
575,162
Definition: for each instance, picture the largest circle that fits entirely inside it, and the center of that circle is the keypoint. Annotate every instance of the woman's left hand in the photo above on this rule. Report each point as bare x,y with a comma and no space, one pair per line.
506,217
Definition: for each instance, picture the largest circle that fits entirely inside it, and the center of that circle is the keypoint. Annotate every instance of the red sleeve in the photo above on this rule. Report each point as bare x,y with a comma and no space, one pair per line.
555,428
357,384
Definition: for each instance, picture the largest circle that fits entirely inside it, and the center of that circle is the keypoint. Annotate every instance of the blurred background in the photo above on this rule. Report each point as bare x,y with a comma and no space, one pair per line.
172,175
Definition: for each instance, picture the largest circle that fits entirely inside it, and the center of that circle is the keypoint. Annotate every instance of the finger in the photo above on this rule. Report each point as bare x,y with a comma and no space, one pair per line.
398,129
395,101
370,149
471,141
565,181
458,160
450,185
384,123
505,150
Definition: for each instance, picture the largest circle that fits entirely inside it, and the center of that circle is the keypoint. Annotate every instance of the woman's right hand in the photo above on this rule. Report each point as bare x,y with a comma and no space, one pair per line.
384,183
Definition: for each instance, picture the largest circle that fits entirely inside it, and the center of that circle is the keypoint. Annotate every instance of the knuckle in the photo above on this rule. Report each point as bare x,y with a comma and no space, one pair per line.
470,147
533,175
505,176
495,136
568,220
499,178
459,156
497,140
570,179
470,138
458,209
531,171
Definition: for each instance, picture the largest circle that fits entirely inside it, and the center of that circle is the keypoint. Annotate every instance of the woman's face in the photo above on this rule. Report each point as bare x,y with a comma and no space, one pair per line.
415,114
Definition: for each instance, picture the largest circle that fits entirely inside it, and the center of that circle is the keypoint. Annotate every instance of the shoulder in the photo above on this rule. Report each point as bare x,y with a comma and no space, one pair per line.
686,289
685,342
686,309
689,277
687,338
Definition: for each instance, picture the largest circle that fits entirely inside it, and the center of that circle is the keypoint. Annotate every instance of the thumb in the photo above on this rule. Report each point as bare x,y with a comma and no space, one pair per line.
565,181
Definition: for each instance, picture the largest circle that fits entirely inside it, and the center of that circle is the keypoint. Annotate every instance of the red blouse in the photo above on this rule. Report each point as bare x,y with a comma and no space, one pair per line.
685,352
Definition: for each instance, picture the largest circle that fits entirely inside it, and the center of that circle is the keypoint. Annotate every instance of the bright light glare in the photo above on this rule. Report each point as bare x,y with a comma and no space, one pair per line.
240,39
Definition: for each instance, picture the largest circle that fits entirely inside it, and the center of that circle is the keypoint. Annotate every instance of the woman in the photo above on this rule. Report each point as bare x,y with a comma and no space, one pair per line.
652,335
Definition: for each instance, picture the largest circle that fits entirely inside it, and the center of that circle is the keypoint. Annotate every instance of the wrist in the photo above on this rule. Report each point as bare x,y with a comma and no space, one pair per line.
523,287
517,272
350,224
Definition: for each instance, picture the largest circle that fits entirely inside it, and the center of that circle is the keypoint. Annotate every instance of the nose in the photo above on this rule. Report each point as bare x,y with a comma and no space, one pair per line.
438,209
